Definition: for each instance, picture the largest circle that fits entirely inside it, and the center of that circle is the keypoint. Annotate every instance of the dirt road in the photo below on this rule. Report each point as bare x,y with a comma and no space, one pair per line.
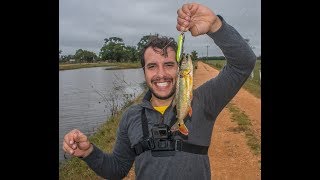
230,156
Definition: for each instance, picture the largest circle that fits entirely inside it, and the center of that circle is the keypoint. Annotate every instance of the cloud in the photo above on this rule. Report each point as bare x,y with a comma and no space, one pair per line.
84,24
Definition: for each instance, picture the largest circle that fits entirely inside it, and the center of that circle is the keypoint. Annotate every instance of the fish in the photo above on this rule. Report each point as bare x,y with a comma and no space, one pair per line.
179,54
183,96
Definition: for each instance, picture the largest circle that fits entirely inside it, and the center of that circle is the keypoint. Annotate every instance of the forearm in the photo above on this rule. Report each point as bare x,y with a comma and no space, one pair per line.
117,164
236,50
240,63
107,165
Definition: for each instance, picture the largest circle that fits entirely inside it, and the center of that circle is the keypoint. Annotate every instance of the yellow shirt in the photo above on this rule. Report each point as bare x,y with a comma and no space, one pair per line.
161,109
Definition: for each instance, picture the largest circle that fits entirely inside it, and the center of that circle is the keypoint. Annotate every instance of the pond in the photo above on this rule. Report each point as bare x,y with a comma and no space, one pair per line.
88,96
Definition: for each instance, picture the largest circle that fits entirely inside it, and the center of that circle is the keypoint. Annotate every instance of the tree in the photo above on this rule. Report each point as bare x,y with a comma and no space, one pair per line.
194,55
113,39
66,58
144,40
113,49
85,56
131,54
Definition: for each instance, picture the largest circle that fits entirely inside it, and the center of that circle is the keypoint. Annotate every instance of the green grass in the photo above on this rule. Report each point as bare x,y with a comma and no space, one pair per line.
252,84
104,138
102,64
244,125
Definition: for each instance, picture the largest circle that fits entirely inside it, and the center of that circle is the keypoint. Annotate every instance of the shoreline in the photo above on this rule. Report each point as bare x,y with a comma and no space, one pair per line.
109,66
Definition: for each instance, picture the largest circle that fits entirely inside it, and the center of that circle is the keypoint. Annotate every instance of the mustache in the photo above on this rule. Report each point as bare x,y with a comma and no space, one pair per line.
165,78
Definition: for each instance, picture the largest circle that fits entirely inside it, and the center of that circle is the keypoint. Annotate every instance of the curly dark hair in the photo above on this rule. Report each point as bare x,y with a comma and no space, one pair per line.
161,42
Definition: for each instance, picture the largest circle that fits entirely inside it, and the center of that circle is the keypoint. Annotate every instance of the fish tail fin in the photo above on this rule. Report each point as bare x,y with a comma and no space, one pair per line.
181,127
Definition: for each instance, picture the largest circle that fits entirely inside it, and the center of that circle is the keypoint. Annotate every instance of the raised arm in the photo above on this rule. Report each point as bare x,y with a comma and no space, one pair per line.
217,92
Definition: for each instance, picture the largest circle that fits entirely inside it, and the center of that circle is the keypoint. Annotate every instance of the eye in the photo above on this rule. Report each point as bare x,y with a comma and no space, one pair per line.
169,65
151,66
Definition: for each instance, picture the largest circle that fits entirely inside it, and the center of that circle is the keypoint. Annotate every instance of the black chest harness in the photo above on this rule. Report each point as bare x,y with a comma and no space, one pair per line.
162,142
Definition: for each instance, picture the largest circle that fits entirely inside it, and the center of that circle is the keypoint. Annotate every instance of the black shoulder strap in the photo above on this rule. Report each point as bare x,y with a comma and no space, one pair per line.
144,123
146,143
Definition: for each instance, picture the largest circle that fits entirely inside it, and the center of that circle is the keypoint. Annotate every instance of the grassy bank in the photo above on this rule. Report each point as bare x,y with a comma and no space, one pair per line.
101,64
252,84
245,126
104,138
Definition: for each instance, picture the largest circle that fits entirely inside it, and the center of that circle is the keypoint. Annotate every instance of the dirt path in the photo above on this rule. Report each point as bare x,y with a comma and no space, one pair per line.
230,156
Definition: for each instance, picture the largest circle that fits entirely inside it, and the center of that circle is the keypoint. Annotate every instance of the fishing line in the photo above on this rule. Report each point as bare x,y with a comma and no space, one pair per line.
166,45
179,5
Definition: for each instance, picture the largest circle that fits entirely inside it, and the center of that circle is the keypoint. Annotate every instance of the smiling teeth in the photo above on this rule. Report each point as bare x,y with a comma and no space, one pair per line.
162,84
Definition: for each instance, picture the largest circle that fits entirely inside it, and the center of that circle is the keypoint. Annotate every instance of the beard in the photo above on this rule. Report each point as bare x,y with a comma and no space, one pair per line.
173,90
171,93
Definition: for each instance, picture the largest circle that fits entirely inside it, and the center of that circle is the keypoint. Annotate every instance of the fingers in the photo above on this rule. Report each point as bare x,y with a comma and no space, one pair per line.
81,140
185,14
67,148
193,8
79,137
73,140
186,9
182,24
69,142
69,137
189,9
183,21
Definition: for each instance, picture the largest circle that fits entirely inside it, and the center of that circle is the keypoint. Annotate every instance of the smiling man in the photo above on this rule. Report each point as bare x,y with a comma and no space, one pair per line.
144,136
160,69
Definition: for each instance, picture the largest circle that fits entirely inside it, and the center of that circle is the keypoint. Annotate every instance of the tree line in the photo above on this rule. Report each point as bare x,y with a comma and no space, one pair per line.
113,50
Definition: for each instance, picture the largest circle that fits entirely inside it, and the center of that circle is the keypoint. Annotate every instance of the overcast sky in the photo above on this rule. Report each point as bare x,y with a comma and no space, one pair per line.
84,24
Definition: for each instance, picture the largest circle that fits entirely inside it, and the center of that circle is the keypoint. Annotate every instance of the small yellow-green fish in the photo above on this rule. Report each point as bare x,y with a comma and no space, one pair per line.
183,96
180,47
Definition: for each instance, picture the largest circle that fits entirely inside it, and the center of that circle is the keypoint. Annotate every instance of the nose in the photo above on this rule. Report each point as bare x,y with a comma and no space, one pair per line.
161,72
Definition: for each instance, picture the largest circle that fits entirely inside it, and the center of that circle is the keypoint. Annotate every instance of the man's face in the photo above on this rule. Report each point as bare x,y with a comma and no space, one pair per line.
161,72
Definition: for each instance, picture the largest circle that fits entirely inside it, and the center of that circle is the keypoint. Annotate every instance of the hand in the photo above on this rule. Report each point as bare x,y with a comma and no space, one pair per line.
198,19
77,144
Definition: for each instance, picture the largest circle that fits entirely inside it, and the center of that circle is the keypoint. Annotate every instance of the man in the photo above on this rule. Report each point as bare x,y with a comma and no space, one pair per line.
156,156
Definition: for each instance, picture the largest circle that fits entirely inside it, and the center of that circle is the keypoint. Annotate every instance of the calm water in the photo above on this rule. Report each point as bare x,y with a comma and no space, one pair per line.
86,97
